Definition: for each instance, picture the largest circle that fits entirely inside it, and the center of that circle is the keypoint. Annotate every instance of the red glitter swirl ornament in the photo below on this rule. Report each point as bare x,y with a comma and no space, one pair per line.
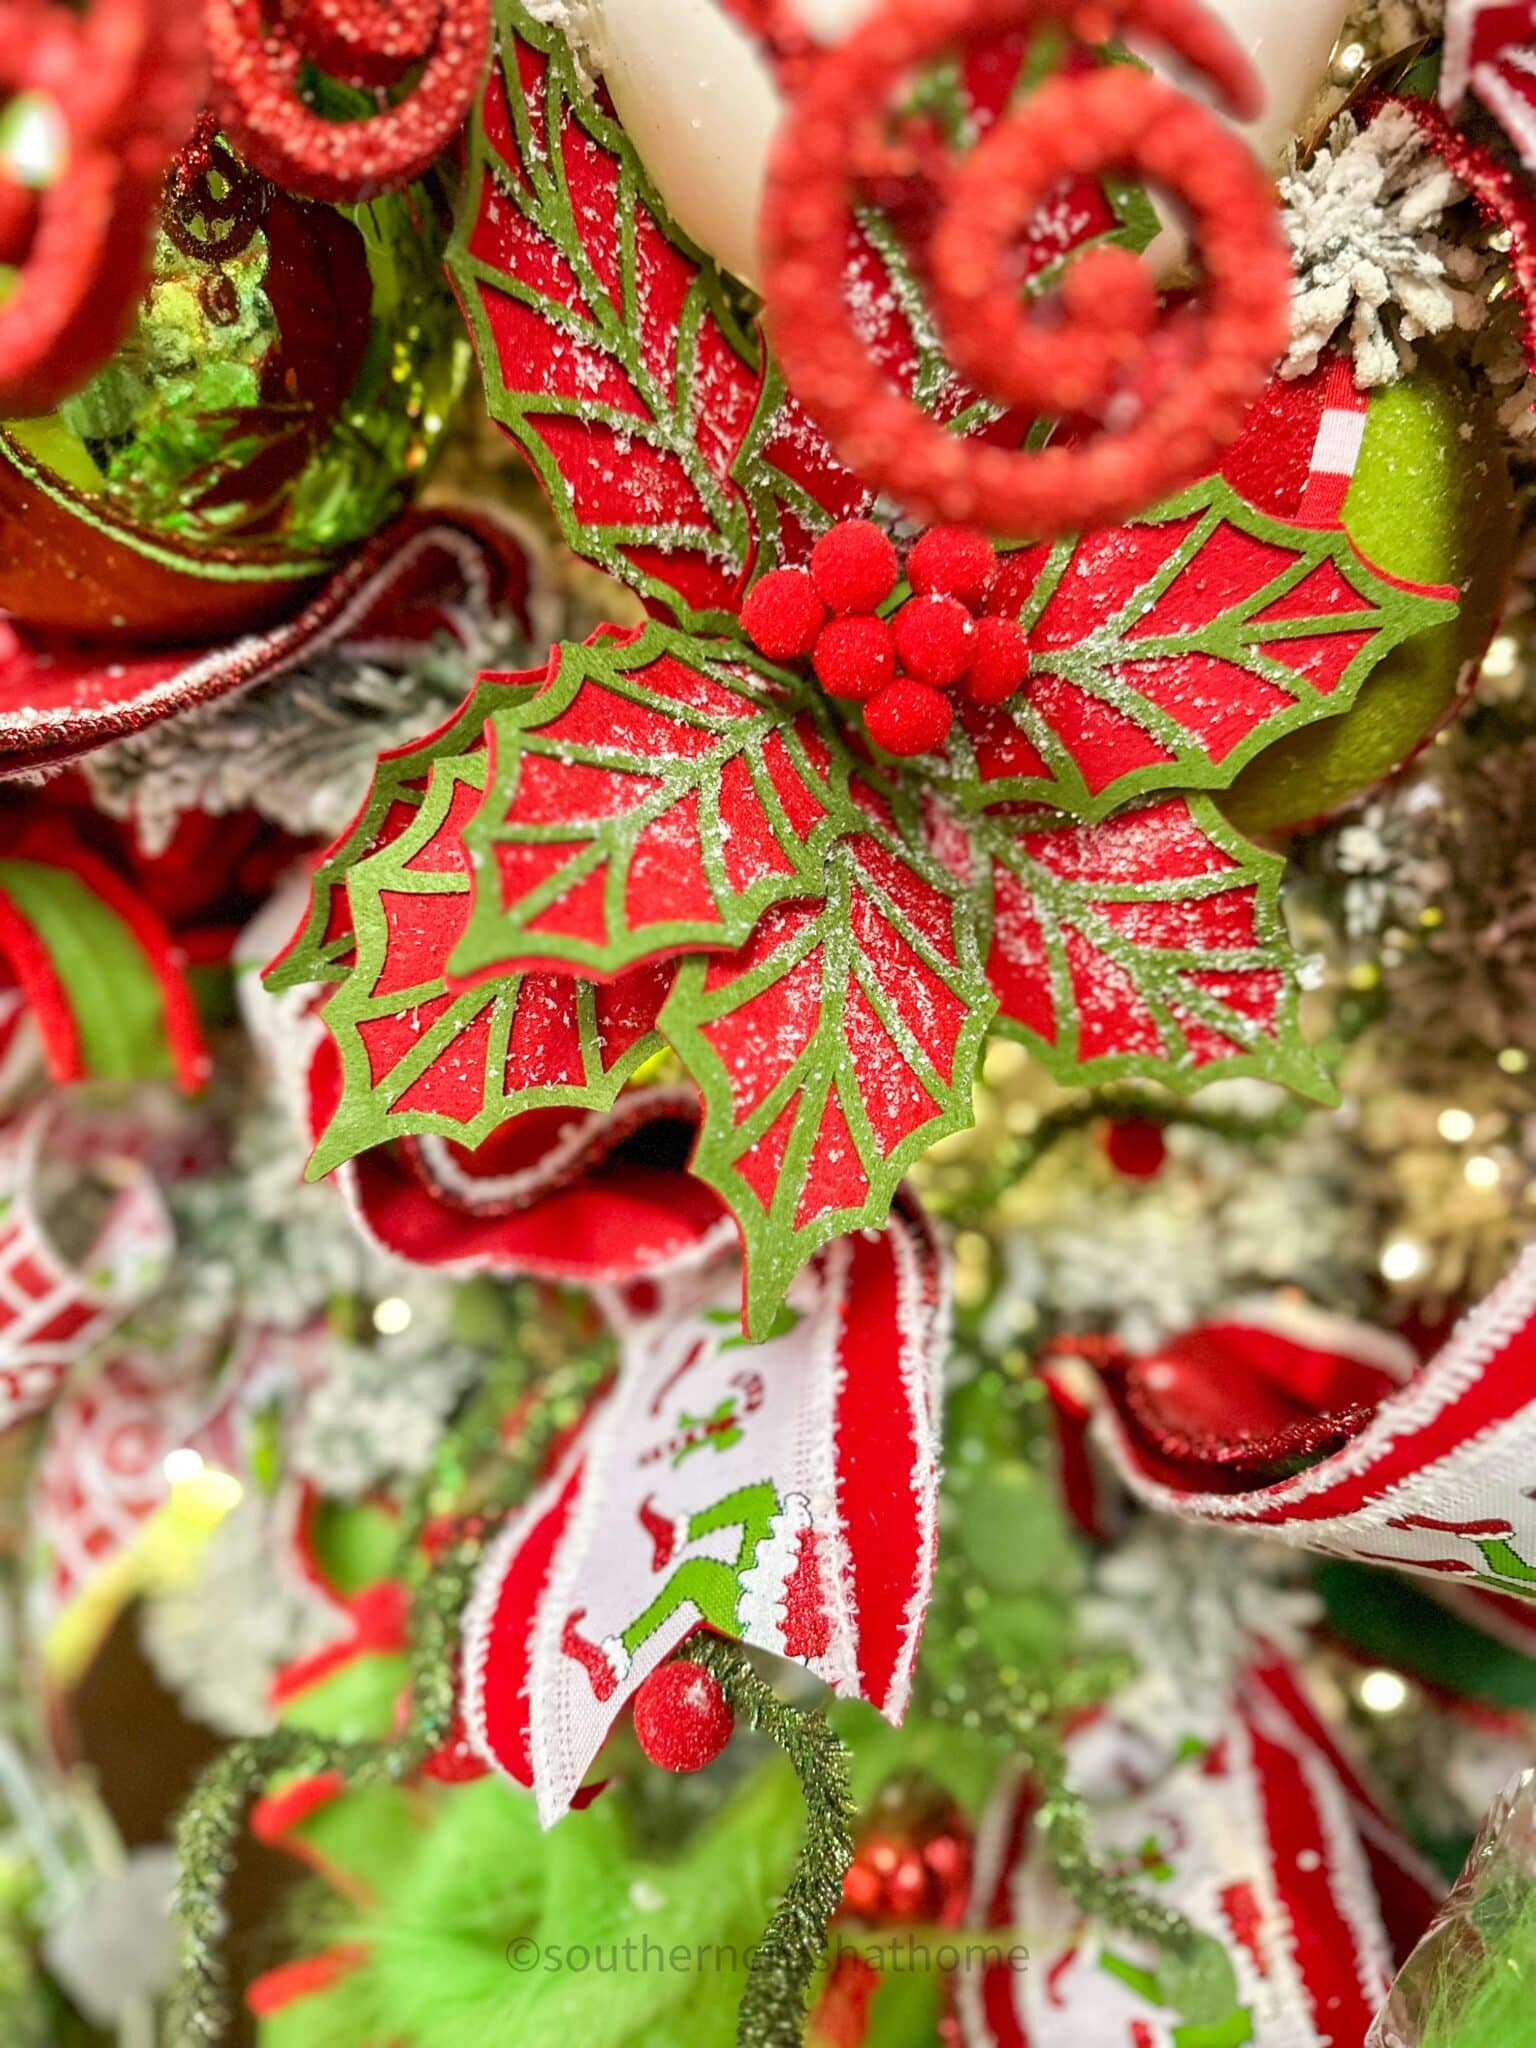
124,81
259,49
1098,354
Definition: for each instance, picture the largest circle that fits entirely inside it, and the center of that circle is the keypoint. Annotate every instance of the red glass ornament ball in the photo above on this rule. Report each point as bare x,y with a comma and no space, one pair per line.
909,717
999,660
935,640
682,1717
854,566
953,561
783,615
855,657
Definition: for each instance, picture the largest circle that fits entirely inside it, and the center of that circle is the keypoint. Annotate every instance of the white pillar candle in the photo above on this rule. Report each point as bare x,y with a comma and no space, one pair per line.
700,104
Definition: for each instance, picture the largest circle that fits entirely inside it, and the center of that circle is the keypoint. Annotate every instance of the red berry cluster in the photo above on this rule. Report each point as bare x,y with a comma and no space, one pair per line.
899,666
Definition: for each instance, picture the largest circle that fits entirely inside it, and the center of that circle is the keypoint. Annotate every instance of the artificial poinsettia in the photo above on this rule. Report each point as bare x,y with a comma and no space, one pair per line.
822,944
666,842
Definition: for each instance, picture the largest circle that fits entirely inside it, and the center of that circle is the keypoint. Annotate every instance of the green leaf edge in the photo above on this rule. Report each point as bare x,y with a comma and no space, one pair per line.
497,941
518,412
1284,1056
1396,616
363,1117
774,1250
310,957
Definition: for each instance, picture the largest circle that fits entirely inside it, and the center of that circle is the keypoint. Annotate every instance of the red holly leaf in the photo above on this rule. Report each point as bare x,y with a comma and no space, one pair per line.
618,359
1150,945
323,948
419,1059
1166,653
631,371
834,1048
656,796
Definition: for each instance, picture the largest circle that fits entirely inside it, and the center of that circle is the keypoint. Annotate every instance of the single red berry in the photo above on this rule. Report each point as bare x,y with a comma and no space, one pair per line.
682,1717
909,717
782,614
455,1763
953,561
936,640
854,566
855,657
1000,660
1135,1146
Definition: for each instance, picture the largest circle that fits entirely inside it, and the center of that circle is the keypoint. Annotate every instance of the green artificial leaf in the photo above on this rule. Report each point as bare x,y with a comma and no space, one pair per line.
834,1048
1168,652
1150,945
656,796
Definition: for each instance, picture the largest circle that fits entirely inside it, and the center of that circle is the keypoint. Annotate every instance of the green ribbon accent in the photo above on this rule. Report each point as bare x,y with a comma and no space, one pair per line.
116,1001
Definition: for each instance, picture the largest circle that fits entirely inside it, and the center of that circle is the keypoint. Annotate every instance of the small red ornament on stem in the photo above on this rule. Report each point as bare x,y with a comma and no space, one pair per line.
682,1717
1135,1146
837,136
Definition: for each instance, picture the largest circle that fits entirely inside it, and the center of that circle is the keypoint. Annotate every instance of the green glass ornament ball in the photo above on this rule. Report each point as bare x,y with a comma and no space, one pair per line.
290,374
1432,502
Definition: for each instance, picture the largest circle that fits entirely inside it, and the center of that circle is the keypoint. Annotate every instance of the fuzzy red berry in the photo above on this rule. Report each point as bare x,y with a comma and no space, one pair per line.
682,1717
953,561
909,717
999,662
782,614
935,640
855,657
1135,1146
854,566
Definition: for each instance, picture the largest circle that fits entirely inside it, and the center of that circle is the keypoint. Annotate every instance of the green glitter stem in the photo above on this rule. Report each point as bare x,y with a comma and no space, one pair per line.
785,1962
212,1822
1083,1875
1030,1723
974,1205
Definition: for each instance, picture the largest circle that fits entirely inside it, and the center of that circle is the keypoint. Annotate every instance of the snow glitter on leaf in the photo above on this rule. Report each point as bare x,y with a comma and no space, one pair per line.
613,353
655,797
630,369
1149,945
418,1059
834,1049
1166,653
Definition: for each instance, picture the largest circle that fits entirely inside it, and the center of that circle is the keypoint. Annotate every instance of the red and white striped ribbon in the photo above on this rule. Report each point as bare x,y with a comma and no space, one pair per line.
1336,450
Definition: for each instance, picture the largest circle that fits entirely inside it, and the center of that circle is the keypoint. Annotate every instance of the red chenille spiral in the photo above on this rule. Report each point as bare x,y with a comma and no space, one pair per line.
258,50
125,78
1078,124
